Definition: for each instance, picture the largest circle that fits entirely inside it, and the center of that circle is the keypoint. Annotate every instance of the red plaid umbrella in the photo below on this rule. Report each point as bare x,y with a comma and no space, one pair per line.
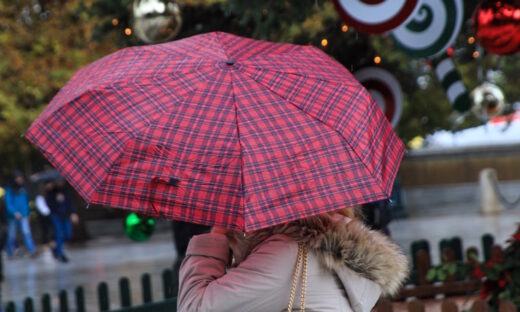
220,130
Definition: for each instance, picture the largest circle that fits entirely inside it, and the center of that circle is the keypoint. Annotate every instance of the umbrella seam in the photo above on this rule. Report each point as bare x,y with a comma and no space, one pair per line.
133,137
221,44
106,83
302,75
296,48
377,179
97,131
242,198
31,138
93,88
109,169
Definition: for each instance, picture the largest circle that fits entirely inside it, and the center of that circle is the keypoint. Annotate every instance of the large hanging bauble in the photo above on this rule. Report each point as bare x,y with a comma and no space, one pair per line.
488,101
432,29
375,17
156,21
497,26
139,228
385,89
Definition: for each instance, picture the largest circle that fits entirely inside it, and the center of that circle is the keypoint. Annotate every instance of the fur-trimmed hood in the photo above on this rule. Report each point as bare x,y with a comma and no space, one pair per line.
337,243
367,252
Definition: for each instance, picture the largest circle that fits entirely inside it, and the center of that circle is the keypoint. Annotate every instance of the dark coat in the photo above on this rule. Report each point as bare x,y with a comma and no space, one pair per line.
59,201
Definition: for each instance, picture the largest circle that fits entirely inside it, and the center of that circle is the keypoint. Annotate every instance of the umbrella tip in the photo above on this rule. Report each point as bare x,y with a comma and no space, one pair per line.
230,62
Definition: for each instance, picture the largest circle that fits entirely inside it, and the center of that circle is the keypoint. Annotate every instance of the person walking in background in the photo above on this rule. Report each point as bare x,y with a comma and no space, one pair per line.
44,212
63,214
17,213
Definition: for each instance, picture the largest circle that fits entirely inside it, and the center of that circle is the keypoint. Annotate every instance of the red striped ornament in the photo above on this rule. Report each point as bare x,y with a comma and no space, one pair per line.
385,89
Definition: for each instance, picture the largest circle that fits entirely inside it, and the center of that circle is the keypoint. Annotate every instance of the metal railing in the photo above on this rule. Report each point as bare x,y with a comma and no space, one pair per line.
168,302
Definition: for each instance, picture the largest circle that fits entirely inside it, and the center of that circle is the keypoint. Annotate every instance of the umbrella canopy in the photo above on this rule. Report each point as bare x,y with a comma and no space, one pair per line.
222,130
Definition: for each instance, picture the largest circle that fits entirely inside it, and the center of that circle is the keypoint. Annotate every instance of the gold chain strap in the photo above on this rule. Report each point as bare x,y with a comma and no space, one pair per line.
295,278
302,257
304,280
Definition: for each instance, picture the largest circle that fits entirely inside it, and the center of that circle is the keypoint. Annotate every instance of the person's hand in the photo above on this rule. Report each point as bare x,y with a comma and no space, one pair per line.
74,218
18,216
219,230
337,217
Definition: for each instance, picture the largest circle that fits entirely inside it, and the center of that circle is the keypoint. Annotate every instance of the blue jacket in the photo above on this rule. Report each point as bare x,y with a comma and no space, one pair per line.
16,201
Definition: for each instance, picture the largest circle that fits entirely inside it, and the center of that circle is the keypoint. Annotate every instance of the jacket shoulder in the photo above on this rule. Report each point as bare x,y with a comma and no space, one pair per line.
277,243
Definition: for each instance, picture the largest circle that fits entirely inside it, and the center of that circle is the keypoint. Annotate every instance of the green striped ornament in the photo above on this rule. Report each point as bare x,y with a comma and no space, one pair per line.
452,83
432,29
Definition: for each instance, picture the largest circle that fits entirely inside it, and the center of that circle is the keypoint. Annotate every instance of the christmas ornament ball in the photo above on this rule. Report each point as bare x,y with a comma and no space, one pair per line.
139,228
488,101
156,21
497,26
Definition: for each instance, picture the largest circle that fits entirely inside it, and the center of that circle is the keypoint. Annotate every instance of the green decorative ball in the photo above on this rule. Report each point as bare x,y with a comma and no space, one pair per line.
139,228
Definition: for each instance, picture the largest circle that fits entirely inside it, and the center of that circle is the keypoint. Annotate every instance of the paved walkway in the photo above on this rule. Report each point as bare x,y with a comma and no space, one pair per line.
102,259
108,258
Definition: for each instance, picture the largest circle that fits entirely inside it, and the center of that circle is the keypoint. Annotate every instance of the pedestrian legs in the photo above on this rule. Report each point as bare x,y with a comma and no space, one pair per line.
58,234
26,232
23,224
62,233
11,236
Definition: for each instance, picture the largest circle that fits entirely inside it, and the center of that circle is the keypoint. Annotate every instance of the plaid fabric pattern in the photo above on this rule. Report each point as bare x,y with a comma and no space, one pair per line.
220,130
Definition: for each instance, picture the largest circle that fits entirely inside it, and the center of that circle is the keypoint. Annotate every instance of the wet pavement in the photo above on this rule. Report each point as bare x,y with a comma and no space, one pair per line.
103,259
109,258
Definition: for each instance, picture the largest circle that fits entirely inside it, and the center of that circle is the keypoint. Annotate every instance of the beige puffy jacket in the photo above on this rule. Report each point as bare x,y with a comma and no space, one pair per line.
347,270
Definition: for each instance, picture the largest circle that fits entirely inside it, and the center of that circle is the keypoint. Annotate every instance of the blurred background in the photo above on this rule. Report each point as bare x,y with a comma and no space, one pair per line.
456,106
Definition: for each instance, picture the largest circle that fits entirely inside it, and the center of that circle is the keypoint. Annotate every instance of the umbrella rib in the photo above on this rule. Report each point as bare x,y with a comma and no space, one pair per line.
242,198
305,73
377,179
165,48
302,75
133,137
110,82
221,44
53,109
109,169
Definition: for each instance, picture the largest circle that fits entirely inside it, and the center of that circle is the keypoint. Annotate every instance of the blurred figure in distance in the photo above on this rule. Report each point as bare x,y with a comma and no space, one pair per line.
63,215
17,214
44,212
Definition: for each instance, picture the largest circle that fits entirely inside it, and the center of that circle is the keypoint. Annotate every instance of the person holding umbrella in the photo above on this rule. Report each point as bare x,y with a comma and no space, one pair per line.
45,181
257,139
340,266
